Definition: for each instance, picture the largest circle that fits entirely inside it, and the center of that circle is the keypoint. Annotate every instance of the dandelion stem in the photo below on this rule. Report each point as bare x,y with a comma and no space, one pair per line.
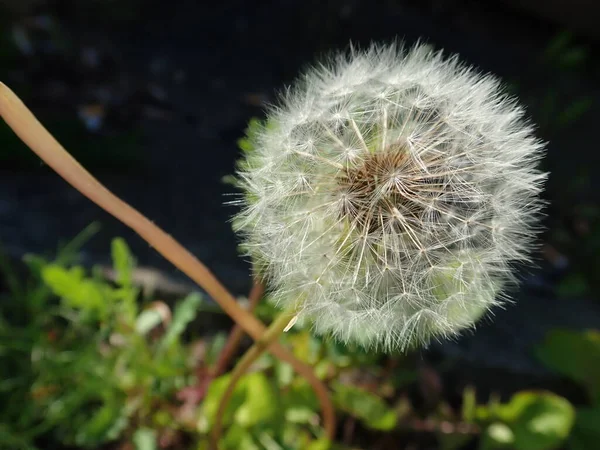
236,334
271,335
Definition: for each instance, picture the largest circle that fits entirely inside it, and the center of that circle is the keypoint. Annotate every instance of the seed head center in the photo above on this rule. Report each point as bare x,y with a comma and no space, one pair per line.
377,191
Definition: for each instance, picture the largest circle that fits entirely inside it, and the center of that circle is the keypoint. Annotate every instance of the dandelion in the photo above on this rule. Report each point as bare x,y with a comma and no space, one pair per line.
390,194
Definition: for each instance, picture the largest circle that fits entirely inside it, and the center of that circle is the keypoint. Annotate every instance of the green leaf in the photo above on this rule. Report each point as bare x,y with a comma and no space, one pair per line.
576,355
497,435
213,397
574,111
254,402
531,421
572,58
144,439
67,253
75,291
123,262
107,424
558,45
284,373
300,403
369,408
545,421
586,432
573,285
238,438
10,439
469,404
260,405
184,313
319,444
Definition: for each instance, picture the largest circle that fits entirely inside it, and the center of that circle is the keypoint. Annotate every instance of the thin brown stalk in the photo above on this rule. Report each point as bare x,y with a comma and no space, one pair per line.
237,332
39,140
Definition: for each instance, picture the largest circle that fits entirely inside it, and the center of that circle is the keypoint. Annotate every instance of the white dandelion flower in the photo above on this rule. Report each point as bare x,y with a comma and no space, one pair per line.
389,195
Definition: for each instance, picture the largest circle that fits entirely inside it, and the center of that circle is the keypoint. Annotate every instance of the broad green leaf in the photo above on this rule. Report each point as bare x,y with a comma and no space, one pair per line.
531,421
260,404
144,439
497,436
576,355
213,397
369,408
586,432
300,402
544,423
184,313
238,438
254,401
319,444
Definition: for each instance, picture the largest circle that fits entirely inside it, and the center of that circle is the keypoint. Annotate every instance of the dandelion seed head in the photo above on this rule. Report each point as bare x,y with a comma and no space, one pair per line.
390,194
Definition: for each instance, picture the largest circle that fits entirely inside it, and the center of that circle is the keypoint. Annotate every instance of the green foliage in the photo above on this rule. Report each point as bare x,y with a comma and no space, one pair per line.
259,413
562,53
185,312
557,108
78,360
85,362
145,439
575,355
529,421
586,433
366,406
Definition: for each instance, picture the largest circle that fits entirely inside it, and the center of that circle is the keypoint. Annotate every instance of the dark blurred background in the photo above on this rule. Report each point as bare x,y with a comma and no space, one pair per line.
151,96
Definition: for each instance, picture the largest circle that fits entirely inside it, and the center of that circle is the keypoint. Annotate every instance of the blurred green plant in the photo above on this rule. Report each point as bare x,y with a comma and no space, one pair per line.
528,421
576,355
85,362
81,359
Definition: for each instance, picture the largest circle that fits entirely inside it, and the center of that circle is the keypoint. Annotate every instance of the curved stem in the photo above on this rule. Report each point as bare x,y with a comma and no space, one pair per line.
37,138
253,353
235,337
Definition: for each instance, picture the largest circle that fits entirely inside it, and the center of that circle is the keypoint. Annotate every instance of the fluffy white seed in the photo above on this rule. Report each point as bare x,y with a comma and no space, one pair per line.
389,195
